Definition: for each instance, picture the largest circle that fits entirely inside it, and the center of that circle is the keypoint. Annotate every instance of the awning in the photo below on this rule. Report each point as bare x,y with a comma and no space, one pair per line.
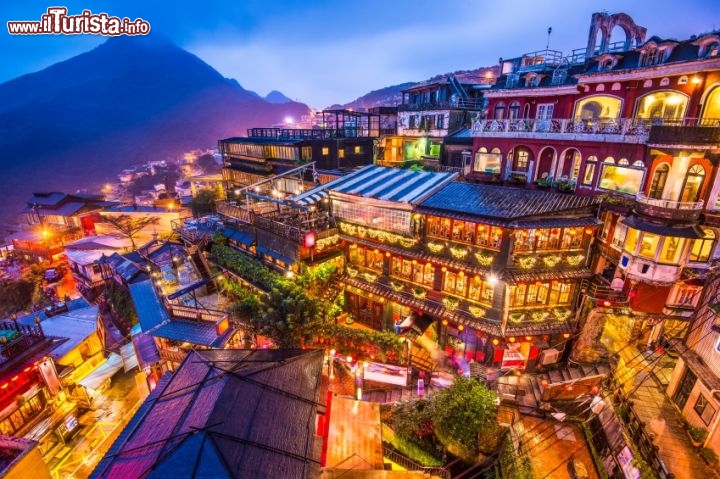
690,232
238,236
103,372
273,254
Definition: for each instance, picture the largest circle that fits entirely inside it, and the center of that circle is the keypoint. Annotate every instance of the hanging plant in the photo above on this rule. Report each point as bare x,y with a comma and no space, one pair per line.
552,260
476,312
370,277
396,285
516,317
574,259
458,252
352,272
527,262
538,316
435,248
450,303
419,293
484,259
561,314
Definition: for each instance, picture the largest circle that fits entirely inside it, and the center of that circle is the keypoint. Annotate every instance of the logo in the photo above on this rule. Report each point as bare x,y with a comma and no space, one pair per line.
57,22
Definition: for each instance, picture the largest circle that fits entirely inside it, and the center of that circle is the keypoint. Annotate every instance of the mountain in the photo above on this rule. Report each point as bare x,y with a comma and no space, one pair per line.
77,123
392,95
388,96
276,97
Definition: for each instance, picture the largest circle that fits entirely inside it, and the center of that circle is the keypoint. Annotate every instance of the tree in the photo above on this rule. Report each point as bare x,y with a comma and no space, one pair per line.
15,296
288,315
204,202
130,226
465,415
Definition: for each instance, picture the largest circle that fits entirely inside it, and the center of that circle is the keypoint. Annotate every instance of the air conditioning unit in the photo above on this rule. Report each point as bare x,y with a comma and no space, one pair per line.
549,356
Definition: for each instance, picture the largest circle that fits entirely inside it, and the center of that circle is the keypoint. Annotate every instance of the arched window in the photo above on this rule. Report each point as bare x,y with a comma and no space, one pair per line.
693,184
597,107
711,109
712,50
609,160
658,181
623,162
526,110
499,111
514,111
487,162
590,167
651,57
666,105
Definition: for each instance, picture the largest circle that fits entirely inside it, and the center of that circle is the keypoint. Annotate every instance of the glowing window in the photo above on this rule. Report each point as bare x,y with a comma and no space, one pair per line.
666,105
598,107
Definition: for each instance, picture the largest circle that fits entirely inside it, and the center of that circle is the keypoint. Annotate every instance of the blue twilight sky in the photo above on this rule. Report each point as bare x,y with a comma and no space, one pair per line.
331,51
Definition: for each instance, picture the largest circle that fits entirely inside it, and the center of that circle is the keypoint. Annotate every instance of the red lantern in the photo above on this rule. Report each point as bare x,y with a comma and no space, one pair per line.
310,239
555,231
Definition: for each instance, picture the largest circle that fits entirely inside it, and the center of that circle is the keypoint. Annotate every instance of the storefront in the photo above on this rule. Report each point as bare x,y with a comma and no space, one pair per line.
366,308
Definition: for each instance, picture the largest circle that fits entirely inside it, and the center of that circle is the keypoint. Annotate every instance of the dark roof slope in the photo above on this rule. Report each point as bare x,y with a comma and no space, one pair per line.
226,414
502,202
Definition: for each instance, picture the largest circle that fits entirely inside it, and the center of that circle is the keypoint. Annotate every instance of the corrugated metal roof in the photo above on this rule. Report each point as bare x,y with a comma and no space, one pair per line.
226,414
504,202
195,332
391,184
148,306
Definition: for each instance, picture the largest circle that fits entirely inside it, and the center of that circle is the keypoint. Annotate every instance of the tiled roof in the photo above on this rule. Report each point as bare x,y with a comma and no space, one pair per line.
226,414
502,202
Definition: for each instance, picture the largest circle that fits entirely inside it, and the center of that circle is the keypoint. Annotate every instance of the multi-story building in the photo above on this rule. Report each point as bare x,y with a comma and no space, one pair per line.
635,121
694,386
53,219
496,270
29,385
342,140
431,111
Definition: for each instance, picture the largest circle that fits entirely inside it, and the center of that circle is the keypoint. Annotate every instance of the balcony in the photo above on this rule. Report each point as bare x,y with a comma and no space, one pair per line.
455,104
620,130
685,211
172,356
695,132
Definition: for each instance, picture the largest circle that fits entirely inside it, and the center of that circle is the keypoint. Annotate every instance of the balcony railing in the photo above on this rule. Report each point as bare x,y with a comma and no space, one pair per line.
686,211
172,356
624,129
458,103
669,204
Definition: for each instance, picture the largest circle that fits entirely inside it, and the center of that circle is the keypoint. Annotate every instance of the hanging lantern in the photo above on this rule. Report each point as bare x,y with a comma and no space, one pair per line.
528,338
555,231
444,322
460,327
566,335
387,254
511,339
588,231
310,239
495,342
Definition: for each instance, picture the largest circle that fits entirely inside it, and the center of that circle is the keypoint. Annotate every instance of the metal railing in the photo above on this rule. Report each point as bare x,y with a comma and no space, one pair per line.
410,465
669,204
620,127
459,103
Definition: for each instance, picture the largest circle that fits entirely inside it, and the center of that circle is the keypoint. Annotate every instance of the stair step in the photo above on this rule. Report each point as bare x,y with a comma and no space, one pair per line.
537,389
575,373
555,376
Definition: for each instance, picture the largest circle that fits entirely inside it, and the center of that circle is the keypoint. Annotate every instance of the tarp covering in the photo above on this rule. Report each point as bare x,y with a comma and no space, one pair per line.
129,358
105,370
